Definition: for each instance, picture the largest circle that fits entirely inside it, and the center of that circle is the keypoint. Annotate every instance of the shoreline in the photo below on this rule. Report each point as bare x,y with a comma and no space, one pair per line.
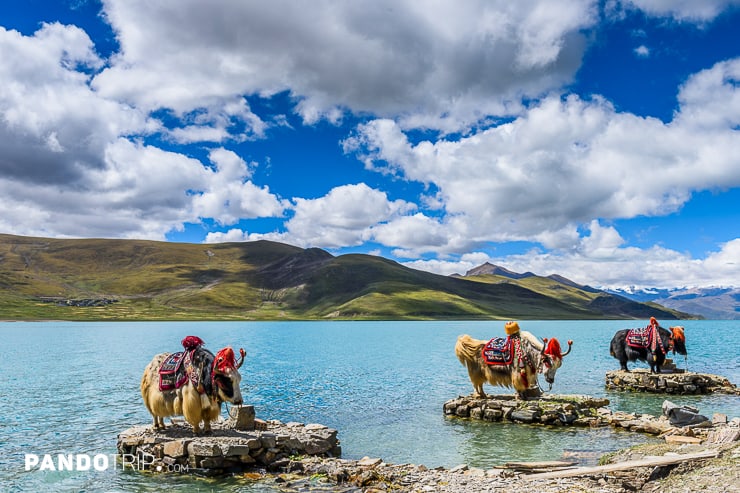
710,468
294,457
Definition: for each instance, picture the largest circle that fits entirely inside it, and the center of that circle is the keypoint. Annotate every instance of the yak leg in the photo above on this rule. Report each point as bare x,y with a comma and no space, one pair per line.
479,391
211,411
191,407
477,379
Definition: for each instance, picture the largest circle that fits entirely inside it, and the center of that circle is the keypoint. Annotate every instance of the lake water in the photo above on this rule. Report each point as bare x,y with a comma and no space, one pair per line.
70,388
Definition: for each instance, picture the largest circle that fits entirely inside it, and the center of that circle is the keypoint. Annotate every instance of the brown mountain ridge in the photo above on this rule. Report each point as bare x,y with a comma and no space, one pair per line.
115,279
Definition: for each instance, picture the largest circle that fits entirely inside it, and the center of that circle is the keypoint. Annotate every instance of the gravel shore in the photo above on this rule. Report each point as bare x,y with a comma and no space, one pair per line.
714,475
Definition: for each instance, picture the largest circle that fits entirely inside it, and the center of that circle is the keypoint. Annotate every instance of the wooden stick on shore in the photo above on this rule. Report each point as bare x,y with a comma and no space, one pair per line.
540,466
621,466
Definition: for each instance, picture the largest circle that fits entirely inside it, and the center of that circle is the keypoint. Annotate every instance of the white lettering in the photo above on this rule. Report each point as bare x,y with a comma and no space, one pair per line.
100,462
32,460
128,460
145,460
83,462
65,462
47,464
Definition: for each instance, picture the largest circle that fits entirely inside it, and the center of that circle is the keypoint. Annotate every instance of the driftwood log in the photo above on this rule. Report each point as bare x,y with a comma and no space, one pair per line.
625,466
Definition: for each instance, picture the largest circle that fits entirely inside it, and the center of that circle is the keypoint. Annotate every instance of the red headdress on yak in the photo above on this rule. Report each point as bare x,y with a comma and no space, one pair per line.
225,360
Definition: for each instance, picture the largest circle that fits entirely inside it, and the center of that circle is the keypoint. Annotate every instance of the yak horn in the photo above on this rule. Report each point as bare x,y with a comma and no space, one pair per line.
544,345
242,353
570,346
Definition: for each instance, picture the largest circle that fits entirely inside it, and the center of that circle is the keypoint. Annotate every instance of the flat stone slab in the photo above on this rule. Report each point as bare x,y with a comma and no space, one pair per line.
225,450
685,383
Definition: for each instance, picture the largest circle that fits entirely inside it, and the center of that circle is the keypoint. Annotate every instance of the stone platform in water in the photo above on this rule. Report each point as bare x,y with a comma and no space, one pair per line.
553,410
580,410
641,380
232,446
559,410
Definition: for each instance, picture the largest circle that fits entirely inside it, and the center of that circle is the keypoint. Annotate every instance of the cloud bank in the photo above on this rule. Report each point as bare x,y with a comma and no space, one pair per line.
142,143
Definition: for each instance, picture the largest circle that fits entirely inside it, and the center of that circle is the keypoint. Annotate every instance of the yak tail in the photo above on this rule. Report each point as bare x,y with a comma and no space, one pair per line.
468,349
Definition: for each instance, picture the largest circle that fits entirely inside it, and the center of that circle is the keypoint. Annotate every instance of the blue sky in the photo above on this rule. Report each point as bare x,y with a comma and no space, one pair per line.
595,140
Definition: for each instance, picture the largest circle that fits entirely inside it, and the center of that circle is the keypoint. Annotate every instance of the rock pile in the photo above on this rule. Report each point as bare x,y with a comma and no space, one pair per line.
641,380
586,411
556,410
268,444
559,410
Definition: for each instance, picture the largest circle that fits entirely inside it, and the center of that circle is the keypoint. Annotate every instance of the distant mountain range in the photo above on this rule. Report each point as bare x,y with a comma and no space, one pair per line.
710,303
496,270
102,279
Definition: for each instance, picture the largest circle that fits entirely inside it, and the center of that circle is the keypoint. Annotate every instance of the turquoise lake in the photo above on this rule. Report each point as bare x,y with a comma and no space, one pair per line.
70,388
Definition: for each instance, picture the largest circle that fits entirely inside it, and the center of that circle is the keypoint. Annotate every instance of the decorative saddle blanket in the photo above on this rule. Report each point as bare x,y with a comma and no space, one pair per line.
173,371
641,337
498,351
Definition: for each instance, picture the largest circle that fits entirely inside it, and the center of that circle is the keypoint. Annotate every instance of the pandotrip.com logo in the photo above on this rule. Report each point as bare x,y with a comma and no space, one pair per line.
98,463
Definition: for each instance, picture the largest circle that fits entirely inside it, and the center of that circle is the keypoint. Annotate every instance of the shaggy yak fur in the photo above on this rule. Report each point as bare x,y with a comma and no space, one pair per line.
545,357
219,382
672,340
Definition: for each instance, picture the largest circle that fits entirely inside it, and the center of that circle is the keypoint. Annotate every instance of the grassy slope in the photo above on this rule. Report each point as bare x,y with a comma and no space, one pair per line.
367,286
150,280
609,305
255,280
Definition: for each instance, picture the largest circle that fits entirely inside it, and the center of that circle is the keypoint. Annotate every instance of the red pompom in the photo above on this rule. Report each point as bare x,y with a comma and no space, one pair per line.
192,342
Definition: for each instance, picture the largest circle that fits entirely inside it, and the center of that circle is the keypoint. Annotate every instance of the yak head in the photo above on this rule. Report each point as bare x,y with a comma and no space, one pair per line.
552,358
678,340
226,377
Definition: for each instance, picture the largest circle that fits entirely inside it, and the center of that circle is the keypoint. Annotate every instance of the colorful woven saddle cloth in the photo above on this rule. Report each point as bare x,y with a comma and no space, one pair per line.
641,337
172,372
498,351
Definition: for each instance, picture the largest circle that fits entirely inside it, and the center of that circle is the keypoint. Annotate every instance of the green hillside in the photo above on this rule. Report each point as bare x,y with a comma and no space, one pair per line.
100,279
611,306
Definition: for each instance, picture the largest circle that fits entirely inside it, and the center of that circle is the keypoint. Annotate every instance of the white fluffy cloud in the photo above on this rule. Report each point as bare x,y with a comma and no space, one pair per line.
682,10
601,260
72,162
343,217
439,64
81,153
566,161
229,196
52,126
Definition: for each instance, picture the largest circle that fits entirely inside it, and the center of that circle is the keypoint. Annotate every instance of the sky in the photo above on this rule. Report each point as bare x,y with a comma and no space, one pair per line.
597,140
